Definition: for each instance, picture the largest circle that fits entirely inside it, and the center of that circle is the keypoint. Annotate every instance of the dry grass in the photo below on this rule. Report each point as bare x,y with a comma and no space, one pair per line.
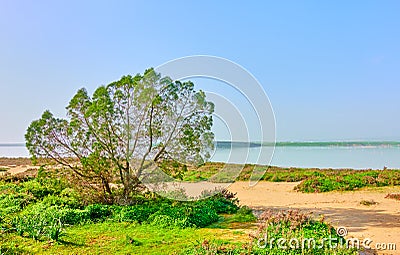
395,196
368,202
15,161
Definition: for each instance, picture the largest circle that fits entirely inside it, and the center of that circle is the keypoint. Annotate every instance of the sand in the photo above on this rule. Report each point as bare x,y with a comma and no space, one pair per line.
379,222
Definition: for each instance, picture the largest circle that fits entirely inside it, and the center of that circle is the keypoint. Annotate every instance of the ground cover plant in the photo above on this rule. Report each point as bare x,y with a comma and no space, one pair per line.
47,215
311,179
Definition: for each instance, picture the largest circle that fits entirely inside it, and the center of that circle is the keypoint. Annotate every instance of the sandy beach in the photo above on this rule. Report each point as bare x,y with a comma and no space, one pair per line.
379,222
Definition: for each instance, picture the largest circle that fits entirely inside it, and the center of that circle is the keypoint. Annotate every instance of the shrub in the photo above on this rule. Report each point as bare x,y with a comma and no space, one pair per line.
165,221
74,216
98,212
201,216
368,202
11,203
38,222
395,196
220,204
40,189
293,224
67,200
138,213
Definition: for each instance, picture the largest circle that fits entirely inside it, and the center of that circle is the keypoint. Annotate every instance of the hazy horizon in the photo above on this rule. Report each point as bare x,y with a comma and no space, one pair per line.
260,142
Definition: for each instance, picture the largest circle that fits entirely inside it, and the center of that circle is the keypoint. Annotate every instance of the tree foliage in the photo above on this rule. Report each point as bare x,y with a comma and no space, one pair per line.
125,127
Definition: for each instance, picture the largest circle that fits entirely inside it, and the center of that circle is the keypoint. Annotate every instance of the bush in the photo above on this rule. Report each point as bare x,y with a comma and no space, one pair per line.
68,199
165,212
138,213
98,212
220,204
293,224
74,216
165,221
11,203
202,216
41,189
176,214
395,196
184,215
38,222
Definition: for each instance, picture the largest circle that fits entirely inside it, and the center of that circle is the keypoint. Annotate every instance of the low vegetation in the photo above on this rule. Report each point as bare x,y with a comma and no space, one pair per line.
368,202
46,214
302,235
311,179
395,196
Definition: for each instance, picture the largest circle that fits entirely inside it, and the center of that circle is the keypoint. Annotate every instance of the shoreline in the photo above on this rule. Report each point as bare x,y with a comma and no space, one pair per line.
21,161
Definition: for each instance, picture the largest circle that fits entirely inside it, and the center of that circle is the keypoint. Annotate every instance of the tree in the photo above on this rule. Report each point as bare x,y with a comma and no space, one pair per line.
124,128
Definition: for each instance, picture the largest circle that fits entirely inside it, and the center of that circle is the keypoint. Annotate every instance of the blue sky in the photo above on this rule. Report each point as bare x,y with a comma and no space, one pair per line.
331,69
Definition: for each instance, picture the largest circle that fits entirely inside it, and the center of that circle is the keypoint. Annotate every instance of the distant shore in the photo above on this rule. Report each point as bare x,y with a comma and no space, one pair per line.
309,154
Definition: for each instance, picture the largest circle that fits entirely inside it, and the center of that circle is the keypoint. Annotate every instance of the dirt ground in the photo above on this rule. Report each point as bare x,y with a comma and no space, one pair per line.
379,222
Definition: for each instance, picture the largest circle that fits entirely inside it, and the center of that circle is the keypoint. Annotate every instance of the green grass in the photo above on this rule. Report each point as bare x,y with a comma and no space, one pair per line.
43,215
348,180
46,216
112,237
121,238
275,225
312,179
242,219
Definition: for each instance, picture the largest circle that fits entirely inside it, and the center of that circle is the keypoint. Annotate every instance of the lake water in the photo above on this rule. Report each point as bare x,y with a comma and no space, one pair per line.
319,156
14,151
357,157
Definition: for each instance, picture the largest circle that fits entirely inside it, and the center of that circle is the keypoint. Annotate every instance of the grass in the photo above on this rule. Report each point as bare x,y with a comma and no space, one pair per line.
311,179
120,238
42,215
133,238
242,219
276,225
15,161
395,196
347,180
45,216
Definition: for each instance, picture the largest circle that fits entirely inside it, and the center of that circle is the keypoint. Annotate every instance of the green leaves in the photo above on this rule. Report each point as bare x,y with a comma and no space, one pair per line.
112,135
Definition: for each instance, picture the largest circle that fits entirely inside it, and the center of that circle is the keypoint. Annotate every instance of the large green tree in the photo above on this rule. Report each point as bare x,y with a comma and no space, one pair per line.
124,128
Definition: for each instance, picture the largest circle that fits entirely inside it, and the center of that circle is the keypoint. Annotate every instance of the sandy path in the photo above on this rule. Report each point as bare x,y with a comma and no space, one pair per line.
13,169
380,222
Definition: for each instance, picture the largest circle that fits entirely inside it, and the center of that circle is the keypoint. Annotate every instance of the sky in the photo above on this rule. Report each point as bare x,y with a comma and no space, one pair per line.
331,69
